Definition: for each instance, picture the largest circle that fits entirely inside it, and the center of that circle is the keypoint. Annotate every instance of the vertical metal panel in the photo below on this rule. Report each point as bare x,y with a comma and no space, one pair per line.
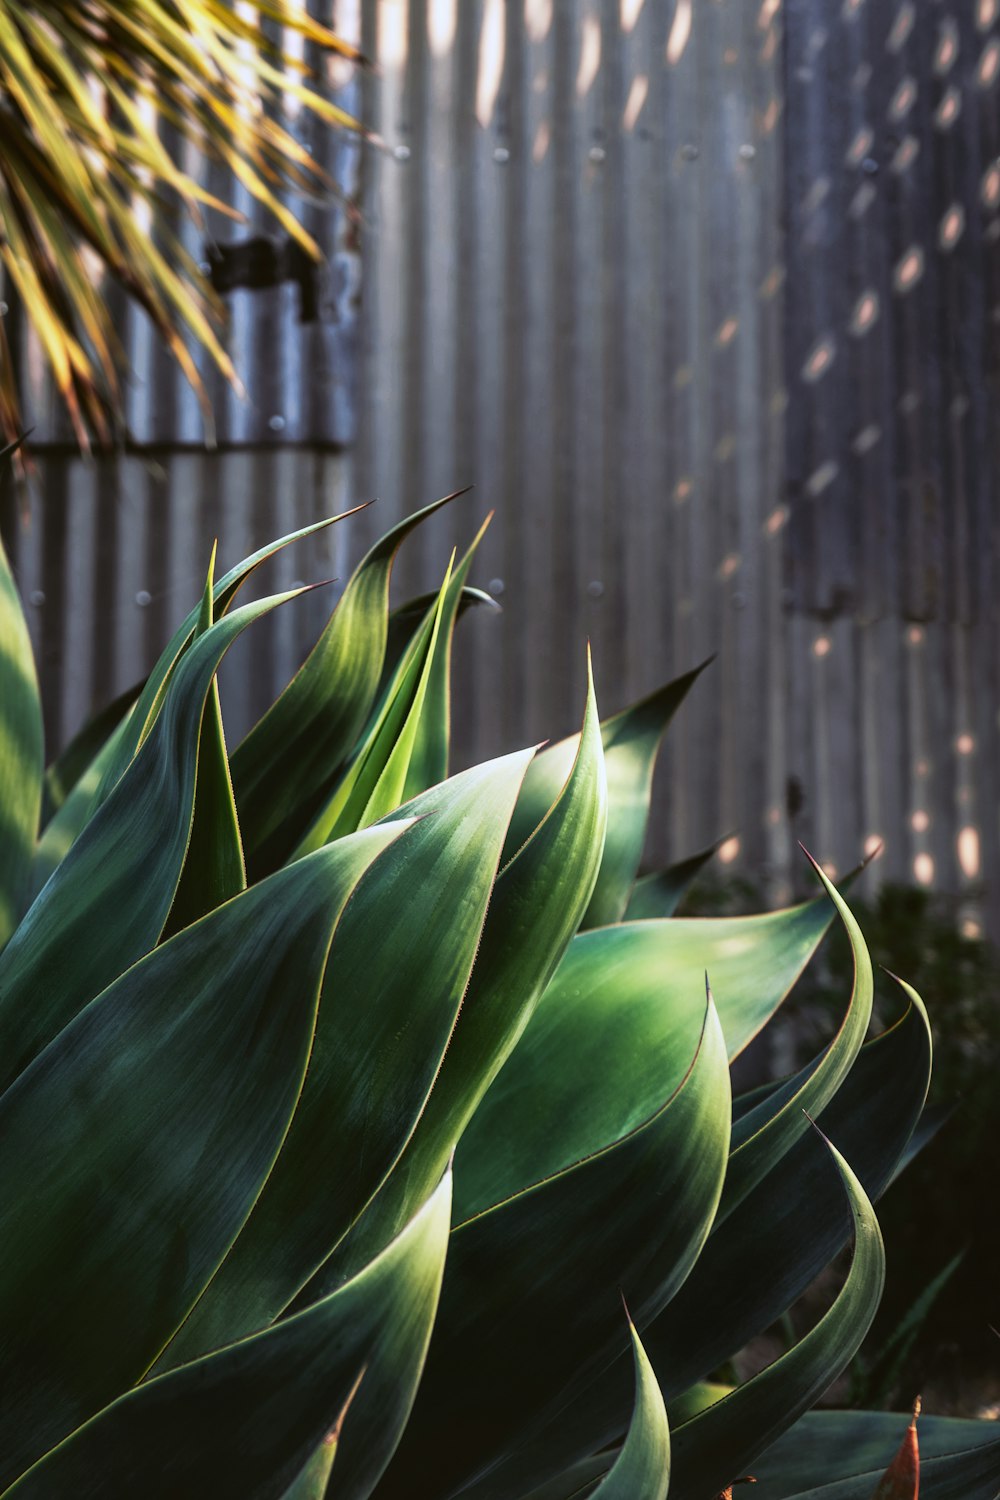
571,286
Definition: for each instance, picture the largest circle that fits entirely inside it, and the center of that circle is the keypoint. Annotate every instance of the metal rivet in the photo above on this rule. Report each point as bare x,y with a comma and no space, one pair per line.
276,423
4,309
401,153
689,151
597,154
748,151
495,586
501,154
739,601
595,588
205,267
869,166
143,598
37,598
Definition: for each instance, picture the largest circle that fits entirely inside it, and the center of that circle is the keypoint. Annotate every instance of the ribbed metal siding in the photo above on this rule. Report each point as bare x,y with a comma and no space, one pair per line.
574,286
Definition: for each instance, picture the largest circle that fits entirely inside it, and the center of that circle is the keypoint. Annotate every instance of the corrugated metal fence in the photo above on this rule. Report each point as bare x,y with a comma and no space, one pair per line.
573,289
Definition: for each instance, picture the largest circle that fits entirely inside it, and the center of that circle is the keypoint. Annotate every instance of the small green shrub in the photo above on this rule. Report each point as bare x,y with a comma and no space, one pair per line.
344,1102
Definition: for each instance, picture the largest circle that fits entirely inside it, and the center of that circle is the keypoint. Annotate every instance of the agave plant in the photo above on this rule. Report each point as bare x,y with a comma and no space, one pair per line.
84,88
345,1102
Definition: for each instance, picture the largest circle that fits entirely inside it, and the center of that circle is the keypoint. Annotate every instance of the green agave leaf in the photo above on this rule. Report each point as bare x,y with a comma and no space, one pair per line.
661,893
536,906
405,747
840,1455
767,1132
720,1444
405,621
214,869
107,902
631,740
133,1149
66,771
70,819
248,1420
292,754
642,1469
21,755
151,698
372,1063
762,1259
529,1309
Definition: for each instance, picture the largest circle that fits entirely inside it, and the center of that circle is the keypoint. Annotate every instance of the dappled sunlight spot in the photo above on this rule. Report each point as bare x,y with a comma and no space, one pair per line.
851,7
682,491
860,146
905,155
819,359
728,850
540,82
968,851
923,869
636,99
971,929
865,313
393,33
903,100
726,332
822,646
965,744
901,27
680,31
776,520
915,635
491,60
822,478
909,269
768,10
867,438
729,565
923,767
873,843
590,54
949,109
540,145
772,282
829,869
770,45
951,227
294,45
862,200
816,196
947,48
770,117
920,820
442,21
773,816
986,13
630,11
990,187
538,18
989,64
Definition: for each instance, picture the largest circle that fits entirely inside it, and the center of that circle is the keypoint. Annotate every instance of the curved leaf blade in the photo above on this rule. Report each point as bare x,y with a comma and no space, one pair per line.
373,1063
661,893
107,902
21,753
766,1133
642,1469
291,755
529,1312
134,1147
536,906
722,1442
247,1420
840,1455
631,741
